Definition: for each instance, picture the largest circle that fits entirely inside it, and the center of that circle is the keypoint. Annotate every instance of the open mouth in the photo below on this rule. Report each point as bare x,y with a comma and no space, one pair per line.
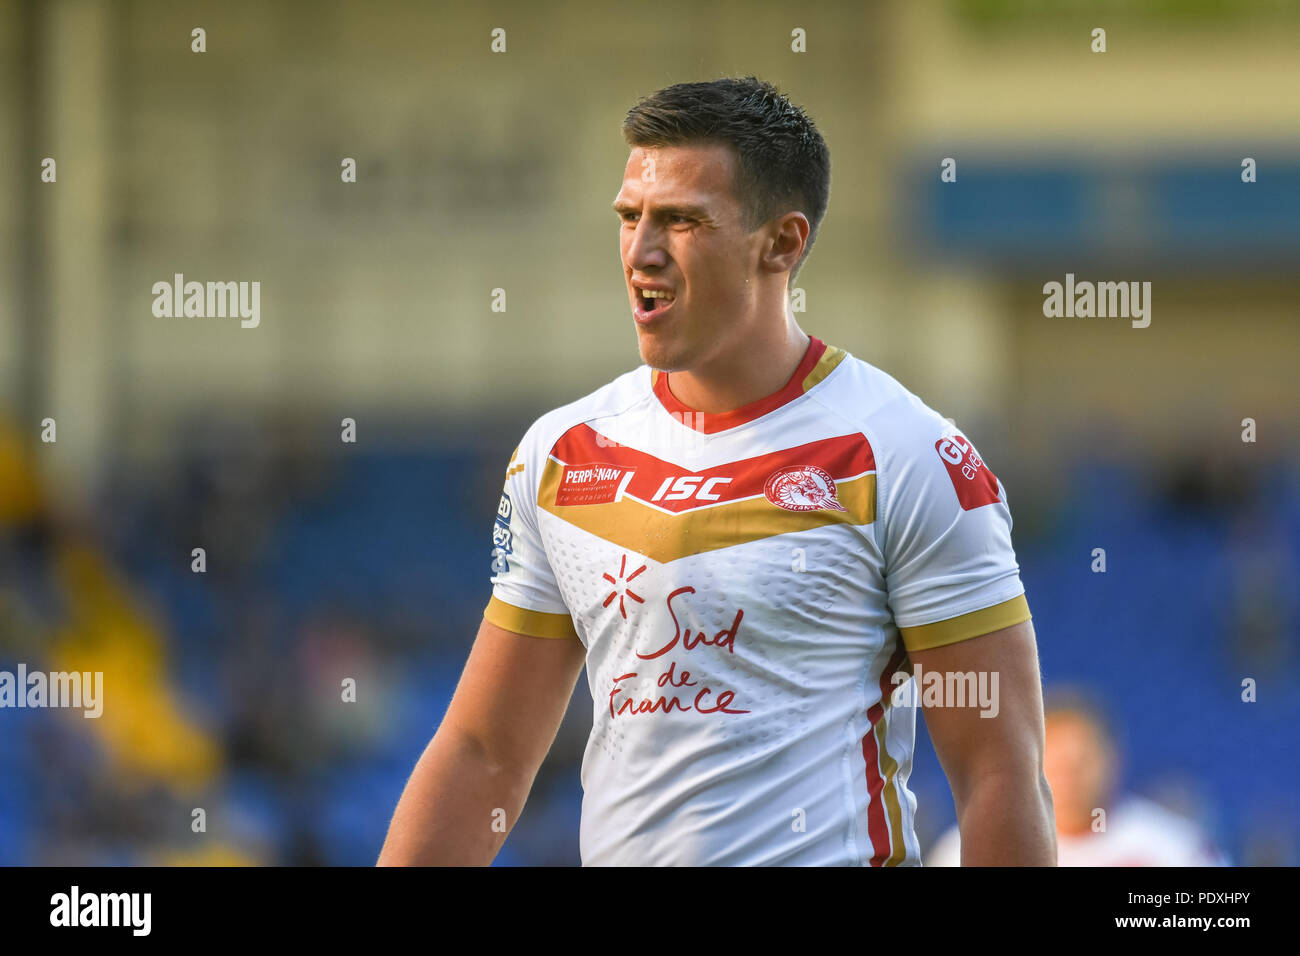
653,301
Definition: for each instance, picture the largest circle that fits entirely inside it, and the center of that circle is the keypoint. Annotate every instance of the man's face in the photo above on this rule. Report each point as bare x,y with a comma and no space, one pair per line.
1077,764
683,232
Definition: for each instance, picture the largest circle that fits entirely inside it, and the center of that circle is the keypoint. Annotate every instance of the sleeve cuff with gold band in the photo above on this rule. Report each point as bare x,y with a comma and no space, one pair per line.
533,623
960,628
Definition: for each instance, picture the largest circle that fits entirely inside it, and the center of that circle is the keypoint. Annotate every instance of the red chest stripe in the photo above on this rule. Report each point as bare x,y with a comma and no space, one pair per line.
664,511
842,457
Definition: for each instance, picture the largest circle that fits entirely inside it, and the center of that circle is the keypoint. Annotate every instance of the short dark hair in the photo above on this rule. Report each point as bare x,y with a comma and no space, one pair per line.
783,164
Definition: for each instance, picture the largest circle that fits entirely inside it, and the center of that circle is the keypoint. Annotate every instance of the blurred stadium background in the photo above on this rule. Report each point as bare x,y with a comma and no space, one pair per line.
479,171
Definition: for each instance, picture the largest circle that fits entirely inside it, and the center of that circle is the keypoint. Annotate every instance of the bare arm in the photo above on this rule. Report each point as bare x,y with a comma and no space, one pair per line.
995,764
484,757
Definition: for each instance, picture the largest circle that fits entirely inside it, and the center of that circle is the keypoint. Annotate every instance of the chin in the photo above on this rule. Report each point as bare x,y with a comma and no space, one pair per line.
656,355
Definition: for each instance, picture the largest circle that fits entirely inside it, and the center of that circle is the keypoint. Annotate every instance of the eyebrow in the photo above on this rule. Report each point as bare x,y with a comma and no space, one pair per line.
667,209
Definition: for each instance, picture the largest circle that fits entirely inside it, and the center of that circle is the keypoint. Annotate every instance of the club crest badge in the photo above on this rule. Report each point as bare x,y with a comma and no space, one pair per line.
806,488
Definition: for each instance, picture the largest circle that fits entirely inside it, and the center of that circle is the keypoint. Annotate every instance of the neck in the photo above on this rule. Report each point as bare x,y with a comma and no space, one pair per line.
745,375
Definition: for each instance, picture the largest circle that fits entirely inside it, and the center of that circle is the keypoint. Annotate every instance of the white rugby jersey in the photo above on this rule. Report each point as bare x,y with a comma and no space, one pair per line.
746,585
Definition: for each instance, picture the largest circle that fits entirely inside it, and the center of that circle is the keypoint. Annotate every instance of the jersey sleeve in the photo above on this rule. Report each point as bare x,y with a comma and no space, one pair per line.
950,569
525,596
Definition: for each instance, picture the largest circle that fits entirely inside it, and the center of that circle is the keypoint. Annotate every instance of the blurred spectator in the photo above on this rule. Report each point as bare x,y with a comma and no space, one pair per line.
1095,826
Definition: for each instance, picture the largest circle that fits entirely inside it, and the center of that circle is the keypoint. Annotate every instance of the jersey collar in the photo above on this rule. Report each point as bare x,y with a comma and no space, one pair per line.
817,363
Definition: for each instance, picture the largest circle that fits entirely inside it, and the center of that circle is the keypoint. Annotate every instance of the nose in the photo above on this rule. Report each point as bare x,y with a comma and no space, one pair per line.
645,249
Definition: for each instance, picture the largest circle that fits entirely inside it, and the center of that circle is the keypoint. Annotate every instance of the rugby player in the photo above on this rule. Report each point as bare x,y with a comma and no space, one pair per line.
743,541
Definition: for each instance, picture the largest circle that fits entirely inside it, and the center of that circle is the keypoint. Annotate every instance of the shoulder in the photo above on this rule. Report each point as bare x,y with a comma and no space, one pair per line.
614,398
1145,816
897,422
1173,838
875,399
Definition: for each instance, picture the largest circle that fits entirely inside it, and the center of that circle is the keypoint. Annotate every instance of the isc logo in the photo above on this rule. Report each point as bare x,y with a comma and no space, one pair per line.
683,487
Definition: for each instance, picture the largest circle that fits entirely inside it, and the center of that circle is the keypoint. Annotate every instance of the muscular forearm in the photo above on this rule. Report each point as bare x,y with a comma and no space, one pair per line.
1007,820
457,808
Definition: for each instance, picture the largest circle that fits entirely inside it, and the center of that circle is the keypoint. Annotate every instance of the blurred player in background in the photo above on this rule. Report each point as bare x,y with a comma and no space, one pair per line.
1082,766
744,540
